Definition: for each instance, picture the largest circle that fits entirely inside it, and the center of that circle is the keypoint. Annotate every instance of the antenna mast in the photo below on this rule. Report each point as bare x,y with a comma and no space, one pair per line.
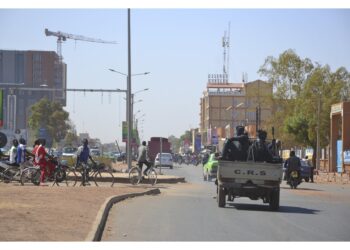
226,46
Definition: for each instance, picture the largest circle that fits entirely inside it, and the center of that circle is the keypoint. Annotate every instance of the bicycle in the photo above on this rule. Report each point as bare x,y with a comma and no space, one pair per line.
12,173
58,175
96,172
135,175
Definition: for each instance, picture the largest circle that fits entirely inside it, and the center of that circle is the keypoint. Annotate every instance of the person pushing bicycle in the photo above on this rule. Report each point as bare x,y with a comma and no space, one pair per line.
83,155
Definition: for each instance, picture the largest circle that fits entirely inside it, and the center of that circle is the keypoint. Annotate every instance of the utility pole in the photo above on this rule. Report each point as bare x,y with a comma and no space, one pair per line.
129,121
318,133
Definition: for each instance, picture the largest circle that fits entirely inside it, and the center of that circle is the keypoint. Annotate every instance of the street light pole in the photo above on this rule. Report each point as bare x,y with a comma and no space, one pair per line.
318,134
129,120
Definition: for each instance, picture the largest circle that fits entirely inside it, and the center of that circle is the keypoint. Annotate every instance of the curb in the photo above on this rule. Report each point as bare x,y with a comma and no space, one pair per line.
159,180
98,226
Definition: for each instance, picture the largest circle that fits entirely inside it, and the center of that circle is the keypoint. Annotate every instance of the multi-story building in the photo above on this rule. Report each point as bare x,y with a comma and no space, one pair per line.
25,78
223,106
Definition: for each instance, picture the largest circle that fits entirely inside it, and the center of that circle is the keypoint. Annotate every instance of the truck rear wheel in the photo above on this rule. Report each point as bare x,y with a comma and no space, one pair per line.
221,197
275,199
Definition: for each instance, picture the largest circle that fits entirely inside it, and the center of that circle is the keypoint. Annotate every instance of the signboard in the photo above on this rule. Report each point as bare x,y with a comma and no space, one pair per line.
124,131
134,134
197,144
214,137
339,156
336,108
347,157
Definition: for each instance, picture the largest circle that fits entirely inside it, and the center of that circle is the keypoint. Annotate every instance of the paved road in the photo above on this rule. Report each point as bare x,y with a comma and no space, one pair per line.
189,212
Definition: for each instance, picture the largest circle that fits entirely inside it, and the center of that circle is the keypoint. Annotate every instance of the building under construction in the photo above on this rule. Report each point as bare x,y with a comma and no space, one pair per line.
22,76
224,105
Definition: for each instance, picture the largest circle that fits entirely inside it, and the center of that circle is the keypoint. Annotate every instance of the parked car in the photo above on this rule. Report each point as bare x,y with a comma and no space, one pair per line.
166,160
210,168
95,152
121,156
305,171
69,151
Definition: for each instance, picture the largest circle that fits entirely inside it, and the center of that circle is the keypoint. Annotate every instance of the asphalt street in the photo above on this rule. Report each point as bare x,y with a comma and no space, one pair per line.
189,212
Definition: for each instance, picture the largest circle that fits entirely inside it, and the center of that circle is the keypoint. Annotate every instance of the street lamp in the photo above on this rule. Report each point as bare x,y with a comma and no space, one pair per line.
233,108
129,99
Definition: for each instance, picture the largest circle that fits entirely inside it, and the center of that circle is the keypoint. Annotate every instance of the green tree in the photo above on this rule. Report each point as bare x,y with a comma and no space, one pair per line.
303,95
49,115
287,74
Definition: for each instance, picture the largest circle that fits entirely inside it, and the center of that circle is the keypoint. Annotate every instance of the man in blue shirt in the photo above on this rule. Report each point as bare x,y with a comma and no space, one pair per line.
21,152
83,153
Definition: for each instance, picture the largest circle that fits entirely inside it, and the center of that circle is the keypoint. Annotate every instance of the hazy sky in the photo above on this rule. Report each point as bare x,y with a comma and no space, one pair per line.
180,47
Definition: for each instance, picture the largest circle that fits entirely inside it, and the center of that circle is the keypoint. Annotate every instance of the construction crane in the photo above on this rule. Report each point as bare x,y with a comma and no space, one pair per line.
61,37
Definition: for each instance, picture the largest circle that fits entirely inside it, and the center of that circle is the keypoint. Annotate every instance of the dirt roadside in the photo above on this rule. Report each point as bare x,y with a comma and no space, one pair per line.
53,213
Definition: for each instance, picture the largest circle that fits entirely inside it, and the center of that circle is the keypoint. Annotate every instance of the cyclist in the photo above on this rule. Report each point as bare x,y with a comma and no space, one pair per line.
142,159
83,154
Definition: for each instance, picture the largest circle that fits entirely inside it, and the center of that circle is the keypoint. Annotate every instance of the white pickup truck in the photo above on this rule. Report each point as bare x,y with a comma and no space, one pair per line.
256,180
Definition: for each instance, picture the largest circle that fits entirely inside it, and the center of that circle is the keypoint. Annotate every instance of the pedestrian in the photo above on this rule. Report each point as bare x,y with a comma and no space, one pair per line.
142,159
311,169
13,153
83,155
46,167
21,152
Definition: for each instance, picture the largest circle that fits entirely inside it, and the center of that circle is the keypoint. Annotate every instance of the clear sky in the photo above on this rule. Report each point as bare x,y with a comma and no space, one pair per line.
179,46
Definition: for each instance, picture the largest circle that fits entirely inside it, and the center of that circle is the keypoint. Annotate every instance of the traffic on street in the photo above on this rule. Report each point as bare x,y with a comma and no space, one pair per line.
189,212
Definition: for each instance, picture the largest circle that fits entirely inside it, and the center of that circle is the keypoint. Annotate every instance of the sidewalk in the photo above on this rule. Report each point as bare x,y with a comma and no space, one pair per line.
61,213
338,178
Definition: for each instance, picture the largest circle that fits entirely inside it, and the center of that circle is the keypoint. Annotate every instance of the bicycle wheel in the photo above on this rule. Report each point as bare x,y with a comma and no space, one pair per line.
152,176
71,177
105,176
134,175
6,175
59,176
30,175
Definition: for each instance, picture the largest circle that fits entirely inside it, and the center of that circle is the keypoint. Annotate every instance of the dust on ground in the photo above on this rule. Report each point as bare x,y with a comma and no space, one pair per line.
36,213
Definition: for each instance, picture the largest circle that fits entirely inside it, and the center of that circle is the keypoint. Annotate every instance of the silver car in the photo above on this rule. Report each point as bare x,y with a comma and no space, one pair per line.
166,160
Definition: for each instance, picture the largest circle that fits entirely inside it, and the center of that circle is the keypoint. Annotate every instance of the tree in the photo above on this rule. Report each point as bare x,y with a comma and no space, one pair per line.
305,105
287,74
51,116
175,143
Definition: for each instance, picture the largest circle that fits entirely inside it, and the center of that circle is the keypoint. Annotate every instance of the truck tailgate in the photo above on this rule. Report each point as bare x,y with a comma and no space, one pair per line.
241,172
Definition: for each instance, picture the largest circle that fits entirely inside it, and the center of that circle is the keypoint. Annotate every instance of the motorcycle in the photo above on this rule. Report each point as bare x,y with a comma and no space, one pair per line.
294,179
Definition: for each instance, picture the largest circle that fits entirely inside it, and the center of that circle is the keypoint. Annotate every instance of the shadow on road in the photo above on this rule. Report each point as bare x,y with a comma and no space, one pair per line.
265,208
306,189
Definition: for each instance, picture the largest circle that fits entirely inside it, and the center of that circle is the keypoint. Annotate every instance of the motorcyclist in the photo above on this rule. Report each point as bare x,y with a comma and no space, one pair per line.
293,163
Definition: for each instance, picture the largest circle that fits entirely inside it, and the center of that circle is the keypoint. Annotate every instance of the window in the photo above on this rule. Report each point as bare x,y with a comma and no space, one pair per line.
37,69
19,68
